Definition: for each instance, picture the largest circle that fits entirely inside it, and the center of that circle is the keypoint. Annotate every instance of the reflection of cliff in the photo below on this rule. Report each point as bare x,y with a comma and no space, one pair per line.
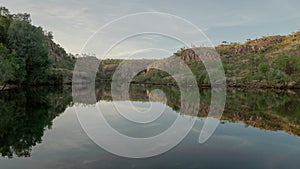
267,121
269,110
25,115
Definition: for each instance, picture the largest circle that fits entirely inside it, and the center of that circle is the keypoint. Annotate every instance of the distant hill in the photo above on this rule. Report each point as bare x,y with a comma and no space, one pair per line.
267,62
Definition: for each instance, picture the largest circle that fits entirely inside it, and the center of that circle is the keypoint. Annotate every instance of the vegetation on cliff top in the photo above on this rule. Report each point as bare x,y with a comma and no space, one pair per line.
273,60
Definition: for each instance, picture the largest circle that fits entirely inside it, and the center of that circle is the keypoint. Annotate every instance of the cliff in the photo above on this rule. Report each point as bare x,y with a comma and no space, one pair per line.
266,45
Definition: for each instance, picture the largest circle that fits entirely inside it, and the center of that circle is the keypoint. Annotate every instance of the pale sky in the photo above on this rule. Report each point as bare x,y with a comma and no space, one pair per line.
74,21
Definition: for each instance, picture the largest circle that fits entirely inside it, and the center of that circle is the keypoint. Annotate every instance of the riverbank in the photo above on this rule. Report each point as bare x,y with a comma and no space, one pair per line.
252,86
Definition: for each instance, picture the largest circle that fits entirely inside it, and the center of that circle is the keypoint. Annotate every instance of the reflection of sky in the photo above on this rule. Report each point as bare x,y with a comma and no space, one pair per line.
158,116
232,146
74,21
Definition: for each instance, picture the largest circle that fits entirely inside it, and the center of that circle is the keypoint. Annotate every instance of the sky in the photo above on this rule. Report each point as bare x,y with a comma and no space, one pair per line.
74,21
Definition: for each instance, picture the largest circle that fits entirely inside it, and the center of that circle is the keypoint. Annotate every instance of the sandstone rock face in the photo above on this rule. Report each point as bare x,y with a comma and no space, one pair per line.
189,55
291,83
254,46
251,46
109,67
56,53
198,54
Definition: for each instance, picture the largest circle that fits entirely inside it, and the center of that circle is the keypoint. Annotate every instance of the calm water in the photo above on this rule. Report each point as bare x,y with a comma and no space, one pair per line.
259,129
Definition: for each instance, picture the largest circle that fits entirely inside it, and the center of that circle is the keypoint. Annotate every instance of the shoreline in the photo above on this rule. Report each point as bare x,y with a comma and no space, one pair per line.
237,86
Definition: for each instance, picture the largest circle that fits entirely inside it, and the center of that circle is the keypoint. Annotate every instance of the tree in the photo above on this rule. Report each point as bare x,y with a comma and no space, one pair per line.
263,67
285,64
49,35
4,25
297,63
224,42
9,67
7,72
25,17
4,11
31,47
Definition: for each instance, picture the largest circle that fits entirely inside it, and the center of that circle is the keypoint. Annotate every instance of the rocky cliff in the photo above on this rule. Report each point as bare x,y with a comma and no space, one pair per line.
264,44
56,52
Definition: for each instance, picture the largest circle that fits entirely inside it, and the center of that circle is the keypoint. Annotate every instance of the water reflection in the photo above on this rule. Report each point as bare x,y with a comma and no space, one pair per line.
266,109
26,114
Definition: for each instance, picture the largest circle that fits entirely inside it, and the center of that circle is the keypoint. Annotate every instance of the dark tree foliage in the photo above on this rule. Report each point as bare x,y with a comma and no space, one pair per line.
24,117
24,49
30,44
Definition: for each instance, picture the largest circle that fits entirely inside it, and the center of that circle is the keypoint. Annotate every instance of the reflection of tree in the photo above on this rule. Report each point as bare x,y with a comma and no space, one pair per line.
269,110
26,114
24,117
265,109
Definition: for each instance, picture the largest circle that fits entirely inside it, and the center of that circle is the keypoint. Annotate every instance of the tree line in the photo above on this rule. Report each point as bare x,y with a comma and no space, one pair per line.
23,50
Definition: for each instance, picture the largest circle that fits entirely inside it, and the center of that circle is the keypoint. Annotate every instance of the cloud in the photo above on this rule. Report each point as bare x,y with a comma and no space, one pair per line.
73,21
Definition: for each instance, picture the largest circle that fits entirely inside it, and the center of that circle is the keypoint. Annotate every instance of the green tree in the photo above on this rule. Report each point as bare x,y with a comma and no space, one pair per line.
285,64
263,67
297,63
4,11
9,67
4,25
30,44
24,17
